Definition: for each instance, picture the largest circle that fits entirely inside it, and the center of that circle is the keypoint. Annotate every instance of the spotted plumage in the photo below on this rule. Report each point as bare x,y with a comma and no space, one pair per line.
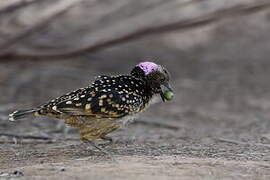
104,106
106,97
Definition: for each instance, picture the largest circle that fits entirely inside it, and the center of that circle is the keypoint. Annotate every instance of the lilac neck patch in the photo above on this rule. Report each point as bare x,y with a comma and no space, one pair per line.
148,67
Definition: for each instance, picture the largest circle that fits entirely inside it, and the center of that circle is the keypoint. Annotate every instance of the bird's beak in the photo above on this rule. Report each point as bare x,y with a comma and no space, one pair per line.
165,87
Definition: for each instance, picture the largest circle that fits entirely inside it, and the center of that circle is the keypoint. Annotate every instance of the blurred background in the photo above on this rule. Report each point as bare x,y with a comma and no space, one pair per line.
217,52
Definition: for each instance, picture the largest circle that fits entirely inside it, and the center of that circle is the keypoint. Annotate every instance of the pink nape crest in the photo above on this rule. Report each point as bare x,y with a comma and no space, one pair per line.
148,67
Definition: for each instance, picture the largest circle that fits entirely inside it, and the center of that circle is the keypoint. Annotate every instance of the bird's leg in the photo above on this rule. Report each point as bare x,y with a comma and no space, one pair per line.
107,138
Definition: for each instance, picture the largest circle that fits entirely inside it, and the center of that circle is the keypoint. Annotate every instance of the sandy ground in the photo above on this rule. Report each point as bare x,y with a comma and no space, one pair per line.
143,157
144,167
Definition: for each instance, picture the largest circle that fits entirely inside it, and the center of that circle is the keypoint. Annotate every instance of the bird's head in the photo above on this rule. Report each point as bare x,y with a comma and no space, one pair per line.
156,77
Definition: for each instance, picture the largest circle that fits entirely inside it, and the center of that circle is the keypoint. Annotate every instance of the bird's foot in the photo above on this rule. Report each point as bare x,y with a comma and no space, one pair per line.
93,144
108,139
119,140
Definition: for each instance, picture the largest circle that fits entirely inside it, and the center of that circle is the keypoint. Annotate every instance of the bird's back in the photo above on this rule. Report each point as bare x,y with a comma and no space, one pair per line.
106,97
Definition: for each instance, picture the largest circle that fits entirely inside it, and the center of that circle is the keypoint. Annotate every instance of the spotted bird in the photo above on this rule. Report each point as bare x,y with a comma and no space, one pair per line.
109,103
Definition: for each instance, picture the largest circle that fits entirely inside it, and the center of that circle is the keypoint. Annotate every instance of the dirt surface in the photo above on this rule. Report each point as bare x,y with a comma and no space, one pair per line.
217,127
147,167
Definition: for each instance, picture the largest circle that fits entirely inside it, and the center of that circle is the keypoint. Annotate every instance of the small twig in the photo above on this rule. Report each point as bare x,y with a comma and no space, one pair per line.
242,143
26,136
156,124
27,142
45,138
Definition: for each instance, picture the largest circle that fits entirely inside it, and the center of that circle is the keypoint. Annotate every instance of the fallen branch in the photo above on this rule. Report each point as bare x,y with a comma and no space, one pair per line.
187,24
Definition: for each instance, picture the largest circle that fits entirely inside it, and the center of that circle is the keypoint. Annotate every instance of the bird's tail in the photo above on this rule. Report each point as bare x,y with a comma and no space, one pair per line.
21,114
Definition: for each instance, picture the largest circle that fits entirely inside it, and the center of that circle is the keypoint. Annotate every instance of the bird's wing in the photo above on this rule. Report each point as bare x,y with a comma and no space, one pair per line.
108,104
51,108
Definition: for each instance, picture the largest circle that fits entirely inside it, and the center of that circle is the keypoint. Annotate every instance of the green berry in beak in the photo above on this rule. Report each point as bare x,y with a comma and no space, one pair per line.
168,95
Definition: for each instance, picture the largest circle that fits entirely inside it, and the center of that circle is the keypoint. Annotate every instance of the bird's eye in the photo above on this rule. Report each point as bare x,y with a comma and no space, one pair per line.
162,79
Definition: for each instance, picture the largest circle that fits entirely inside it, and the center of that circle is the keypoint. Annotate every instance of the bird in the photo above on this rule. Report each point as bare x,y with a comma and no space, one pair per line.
109,103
